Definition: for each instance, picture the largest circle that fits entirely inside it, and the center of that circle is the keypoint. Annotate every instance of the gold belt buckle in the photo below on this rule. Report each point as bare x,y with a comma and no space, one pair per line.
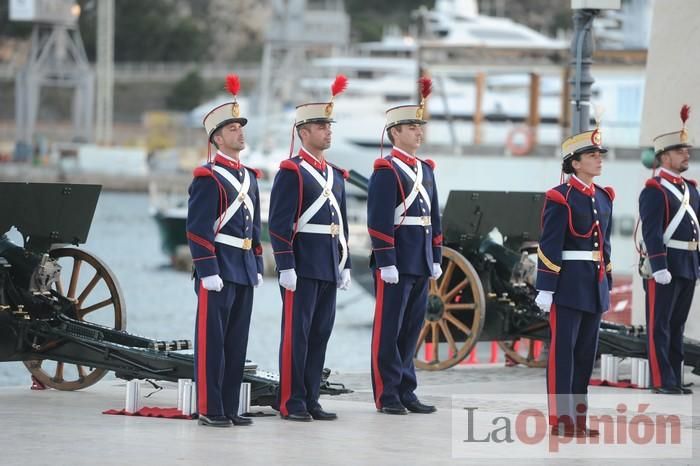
335,229
692,245
425,220
596,255
247,243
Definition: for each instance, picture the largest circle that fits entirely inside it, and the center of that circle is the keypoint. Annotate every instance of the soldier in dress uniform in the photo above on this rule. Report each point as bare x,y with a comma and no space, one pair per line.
574,279
223,231
403,219
309,233
668,208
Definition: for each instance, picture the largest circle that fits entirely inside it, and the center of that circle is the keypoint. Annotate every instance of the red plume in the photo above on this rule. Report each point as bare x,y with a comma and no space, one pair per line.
685,113
426,86
233,84
339,85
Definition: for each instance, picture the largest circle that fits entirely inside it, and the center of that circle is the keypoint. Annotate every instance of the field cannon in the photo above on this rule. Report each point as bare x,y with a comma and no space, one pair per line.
62,311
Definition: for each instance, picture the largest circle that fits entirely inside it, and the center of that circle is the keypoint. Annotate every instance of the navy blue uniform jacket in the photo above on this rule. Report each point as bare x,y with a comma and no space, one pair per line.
312,255
210,194
576,218
411,248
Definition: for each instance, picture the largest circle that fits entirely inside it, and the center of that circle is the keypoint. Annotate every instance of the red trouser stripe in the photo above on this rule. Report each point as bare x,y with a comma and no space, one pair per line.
286,372
653,360
552,368
202,350
376,336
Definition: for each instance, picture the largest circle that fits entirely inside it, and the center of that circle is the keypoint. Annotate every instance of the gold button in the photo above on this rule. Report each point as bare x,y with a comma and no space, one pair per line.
595,211
595,244
595,233
597,222
593,199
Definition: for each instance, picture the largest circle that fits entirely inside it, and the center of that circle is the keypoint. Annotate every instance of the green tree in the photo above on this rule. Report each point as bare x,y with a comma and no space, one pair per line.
187,93
153,30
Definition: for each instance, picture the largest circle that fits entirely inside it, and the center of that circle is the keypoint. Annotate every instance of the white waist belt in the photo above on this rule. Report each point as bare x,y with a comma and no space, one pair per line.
420,221
580,256
683,245
240,243
332,229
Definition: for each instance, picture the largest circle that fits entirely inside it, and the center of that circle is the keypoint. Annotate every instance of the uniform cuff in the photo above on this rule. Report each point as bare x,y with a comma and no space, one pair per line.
385,257
437,254
547,280
206,266
658,262
285,260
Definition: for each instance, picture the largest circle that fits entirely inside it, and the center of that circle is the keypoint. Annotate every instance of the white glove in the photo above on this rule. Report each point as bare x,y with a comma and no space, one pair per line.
344,280
389,274
213,283
260,281
662,277
288,279
544,300
437,271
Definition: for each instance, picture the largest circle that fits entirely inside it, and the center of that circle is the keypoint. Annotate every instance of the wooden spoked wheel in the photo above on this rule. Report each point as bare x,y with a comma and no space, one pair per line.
530,353
454,317
91,284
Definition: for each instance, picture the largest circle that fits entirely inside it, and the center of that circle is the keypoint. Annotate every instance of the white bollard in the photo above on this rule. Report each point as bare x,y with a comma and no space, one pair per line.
604,367
244,399
180,392
615,369
634,379
193,398
186,398
643,373
133,396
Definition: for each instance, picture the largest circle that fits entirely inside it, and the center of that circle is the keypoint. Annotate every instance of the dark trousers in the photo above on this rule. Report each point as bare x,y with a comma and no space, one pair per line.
398,318
221,339
572,354
307,321
667,308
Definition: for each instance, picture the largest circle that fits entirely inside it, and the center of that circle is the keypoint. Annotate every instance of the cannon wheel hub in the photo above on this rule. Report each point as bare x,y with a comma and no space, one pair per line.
436,309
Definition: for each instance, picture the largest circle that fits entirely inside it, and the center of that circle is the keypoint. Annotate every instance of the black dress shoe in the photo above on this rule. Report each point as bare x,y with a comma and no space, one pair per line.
302,417
420,408
685,391
214,421
320,415
667,390
239,420
393,409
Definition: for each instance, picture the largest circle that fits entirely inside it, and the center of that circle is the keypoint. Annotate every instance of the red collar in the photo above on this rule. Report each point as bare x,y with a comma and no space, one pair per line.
579,185
226,161
670,177
311,160
406,158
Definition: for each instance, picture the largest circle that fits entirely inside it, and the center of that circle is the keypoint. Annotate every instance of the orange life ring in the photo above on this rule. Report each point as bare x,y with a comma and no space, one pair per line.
520,140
